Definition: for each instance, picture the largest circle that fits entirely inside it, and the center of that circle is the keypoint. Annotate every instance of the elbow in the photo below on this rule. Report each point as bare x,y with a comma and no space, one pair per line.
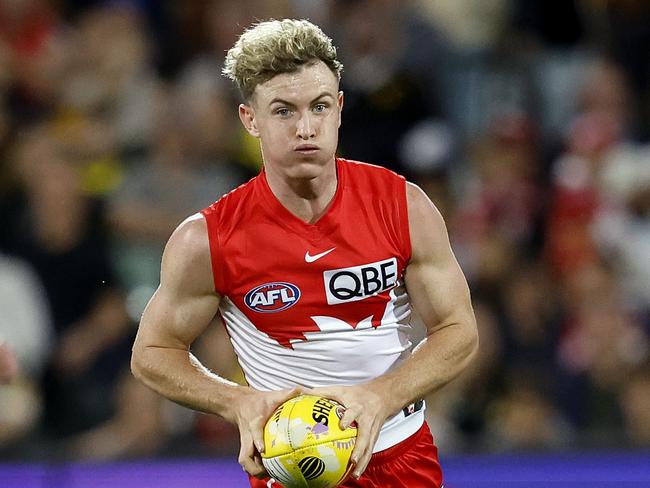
137,364
465,343
473,342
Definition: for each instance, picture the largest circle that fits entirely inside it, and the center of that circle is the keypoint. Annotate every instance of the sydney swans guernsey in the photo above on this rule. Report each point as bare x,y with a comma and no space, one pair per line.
317,304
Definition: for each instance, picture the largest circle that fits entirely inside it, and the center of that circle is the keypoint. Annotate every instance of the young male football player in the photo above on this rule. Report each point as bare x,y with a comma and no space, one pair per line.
314,266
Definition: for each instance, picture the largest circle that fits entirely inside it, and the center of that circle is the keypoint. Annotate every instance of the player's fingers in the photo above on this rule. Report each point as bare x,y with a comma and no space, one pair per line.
245,445
282,396
257,471
247,452
349,418
260,470
360,456
258,441
367,433
252,465
360,445
257,435
361,465
297,391
332,393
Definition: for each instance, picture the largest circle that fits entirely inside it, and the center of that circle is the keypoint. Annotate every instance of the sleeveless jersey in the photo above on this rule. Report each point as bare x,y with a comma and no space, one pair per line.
317,304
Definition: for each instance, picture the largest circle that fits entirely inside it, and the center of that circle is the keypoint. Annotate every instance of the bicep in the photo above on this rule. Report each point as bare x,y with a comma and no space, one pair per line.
185,302
435,283
175,321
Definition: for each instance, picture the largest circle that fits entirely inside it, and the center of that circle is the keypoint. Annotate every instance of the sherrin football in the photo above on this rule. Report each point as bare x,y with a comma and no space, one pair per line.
304,445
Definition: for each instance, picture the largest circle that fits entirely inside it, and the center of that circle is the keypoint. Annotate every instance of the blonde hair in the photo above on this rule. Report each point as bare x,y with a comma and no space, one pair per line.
277,46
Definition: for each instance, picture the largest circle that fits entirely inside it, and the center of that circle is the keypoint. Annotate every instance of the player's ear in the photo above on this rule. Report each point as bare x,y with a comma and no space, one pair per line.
247,117
340,105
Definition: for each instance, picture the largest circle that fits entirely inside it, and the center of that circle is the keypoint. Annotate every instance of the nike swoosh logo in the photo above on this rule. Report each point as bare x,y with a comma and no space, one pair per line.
310,259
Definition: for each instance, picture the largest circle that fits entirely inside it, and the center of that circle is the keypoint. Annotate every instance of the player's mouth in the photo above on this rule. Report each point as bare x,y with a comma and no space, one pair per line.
307,149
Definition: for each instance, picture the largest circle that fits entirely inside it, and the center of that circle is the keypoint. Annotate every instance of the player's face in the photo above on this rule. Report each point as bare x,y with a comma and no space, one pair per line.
296,116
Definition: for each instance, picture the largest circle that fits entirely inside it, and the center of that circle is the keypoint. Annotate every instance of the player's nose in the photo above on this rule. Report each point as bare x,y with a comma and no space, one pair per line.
305,128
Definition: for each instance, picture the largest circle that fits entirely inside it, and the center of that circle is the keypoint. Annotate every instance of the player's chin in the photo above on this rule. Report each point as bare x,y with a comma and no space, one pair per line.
308,167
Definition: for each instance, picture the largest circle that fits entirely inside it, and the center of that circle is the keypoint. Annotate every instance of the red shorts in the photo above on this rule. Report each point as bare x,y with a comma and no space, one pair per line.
413,463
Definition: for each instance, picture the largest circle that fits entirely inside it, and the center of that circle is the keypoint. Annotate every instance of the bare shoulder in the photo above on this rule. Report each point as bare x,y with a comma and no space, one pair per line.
426,224
186,261
191,236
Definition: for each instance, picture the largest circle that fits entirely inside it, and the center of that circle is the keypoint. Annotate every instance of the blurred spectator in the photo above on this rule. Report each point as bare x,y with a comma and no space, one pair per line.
470,25
531,313
56,230
599,128
600,345
31,49
622,230
8,364
628,25
187,168
606,173
110,73
525,418
501,203
25,340
92,143
60,232
383,93
634,399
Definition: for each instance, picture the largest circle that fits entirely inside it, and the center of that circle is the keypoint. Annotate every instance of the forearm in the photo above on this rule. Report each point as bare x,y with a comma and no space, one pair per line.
437,360
177,375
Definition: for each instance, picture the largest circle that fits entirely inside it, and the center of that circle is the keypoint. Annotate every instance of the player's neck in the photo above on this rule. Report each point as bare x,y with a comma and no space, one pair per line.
306,198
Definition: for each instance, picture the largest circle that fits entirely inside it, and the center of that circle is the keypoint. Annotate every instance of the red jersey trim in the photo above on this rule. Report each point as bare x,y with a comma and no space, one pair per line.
214,239
404,220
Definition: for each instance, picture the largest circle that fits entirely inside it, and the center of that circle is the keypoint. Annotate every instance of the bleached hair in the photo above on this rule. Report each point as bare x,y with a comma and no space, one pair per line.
273,47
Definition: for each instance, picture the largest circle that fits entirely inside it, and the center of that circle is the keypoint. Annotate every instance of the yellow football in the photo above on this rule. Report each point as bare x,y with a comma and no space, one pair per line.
304,445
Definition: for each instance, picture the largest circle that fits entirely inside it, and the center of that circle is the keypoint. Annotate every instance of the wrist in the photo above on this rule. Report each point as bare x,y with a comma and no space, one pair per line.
385,388
231,407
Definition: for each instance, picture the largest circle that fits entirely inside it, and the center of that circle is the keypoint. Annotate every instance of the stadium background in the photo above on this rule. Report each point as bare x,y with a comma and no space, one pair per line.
527,123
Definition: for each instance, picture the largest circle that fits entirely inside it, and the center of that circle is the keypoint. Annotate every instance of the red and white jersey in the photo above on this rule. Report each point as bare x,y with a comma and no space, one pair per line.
317,304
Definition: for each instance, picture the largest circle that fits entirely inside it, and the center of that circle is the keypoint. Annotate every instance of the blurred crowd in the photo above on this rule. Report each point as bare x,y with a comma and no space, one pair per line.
526,121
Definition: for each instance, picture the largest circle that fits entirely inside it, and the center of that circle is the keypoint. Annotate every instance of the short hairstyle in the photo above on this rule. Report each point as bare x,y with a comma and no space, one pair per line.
273,47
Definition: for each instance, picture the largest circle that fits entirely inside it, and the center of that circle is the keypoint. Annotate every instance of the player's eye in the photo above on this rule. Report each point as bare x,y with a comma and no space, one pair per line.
283,112
320,107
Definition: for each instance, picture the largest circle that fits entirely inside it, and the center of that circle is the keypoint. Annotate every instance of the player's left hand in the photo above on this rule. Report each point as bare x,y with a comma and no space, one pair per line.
369,409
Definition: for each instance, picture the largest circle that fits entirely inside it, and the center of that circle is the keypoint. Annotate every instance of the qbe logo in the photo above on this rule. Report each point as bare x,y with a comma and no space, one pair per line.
358,282
272,297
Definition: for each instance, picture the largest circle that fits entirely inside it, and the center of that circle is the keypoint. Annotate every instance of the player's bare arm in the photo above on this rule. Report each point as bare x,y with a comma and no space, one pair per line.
439,293
180,310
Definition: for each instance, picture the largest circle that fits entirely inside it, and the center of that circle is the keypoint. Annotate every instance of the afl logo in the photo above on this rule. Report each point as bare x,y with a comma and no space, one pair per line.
272,297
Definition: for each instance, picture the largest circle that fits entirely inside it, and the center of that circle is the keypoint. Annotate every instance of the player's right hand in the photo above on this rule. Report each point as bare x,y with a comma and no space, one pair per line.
251,411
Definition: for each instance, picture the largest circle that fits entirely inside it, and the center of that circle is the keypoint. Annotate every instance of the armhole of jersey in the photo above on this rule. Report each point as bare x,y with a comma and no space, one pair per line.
404,220
215,244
